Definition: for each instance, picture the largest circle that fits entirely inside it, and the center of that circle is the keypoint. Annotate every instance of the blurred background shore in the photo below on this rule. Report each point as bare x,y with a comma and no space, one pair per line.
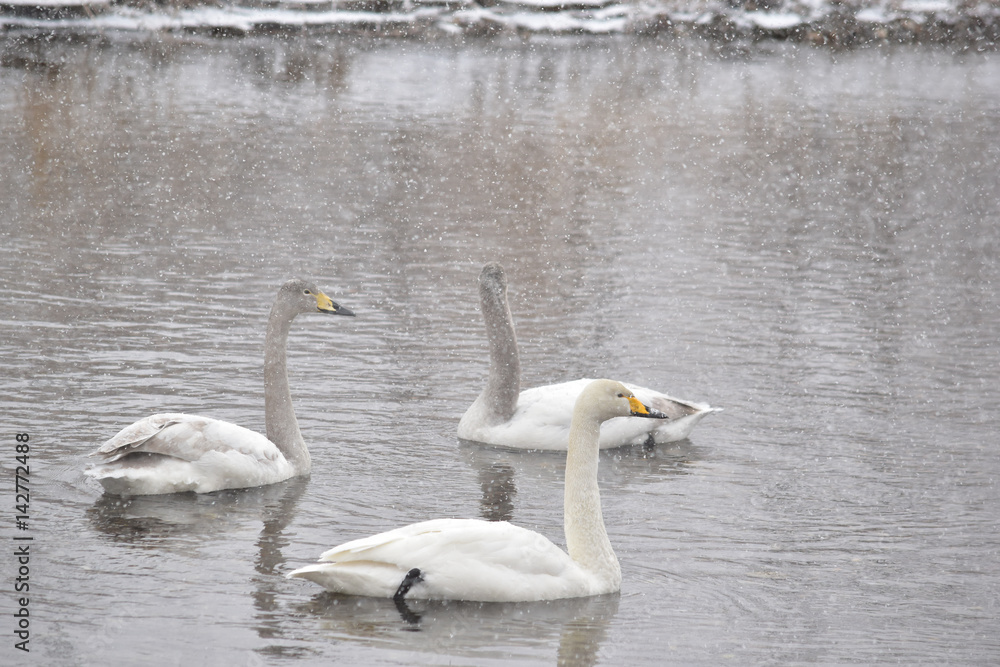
840,23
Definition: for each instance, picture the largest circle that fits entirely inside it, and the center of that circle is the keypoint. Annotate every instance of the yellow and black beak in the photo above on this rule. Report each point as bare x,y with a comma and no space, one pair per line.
640,410
327,305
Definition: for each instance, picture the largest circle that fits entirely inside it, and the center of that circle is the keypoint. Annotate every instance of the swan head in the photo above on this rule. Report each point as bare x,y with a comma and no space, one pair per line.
304,297
607,399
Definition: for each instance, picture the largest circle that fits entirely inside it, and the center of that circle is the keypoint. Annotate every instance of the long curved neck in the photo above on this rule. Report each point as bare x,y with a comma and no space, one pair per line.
504,384
586,537
279,416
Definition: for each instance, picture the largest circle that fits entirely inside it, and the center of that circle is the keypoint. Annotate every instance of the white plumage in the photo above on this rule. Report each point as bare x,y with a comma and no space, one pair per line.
174,452
539,418
469,559
459,559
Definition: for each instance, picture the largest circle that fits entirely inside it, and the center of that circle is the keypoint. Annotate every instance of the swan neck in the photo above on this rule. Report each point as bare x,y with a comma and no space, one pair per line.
586,536
279,415
504,384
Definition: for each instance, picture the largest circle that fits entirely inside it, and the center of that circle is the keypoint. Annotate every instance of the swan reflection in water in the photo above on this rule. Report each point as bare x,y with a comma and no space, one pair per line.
497,482
498,468
186,522
156,519
473,630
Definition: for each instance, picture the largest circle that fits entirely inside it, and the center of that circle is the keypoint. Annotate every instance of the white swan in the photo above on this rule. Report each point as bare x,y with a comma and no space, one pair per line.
539,418
494,561
173,453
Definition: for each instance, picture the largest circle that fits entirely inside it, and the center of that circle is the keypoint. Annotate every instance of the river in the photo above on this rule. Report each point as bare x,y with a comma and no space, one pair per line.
806,238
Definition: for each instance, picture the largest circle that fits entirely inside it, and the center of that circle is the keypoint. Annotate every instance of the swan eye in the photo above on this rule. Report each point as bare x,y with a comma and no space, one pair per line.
305,291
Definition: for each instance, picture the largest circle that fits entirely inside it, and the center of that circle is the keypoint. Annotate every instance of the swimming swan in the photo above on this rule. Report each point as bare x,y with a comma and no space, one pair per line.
494,561
539,418
173,453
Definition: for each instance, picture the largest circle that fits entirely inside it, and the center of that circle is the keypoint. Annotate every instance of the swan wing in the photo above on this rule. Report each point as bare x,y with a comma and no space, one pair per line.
684,416
186,437
175,453
462,559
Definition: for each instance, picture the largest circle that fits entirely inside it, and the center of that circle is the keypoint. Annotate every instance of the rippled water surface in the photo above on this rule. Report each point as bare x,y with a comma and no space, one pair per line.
806,238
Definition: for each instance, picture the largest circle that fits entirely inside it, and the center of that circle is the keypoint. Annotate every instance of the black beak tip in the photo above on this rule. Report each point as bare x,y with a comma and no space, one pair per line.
339,310
654,414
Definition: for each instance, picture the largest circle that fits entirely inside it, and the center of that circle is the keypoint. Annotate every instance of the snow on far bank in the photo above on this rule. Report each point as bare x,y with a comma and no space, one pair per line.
927,6
842,22
775,21
28,4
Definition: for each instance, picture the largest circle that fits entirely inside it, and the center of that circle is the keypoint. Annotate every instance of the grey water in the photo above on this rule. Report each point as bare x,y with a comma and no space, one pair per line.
804,237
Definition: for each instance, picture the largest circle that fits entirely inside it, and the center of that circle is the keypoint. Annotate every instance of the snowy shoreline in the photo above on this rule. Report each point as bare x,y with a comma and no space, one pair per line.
844,24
